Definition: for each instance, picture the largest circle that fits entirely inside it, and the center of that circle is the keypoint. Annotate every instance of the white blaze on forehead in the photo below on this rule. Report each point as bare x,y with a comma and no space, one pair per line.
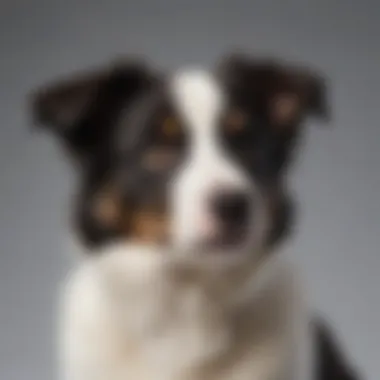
198,98
199,101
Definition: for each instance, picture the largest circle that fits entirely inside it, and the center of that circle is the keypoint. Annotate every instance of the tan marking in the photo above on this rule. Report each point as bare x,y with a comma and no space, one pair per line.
107,207
285,108
149,226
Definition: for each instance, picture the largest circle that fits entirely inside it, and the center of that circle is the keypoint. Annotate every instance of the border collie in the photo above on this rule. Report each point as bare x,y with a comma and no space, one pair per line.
182,205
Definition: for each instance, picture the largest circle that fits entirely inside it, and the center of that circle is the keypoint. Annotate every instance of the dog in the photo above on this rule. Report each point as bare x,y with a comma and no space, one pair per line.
182,207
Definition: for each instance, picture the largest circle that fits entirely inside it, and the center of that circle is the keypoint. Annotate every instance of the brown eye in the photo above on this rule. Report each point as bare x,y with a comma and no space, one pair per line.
236,121
170,127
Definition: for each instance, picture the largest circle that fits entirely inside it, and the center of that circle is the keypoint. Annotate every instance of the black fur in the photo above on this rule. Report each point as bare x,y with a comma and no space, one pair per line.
331,363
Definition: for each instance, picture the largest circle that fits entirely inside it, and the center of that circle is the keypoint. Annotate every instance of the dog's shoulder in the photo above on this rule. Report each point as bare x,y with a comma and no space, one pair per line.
89,342
331,362
80,305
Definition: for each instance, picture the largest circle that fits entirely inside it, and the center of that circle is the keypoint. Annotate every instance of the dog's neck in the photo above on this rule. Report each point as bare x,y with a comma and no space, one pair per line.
189,312
227,280
149,275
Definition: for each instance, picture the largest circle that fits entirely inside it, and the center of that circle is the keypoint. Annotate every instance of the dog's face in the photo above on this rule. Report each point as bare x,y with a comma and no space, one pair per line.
195,160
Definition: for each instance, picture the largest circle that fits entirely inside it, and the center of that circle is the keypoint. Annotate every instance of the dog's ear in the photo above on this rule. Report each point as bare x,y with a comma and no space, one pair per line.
284,93
82,111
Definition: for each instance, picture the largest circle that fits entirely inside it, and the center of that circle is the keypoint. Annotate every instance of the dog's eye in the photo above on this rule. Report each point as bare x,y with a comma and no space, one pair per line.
235,122
170,127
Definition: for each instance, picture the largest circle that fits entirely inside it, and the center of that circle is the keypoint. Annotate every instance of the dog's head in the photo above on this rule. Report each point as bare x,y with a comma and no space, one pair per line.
195,160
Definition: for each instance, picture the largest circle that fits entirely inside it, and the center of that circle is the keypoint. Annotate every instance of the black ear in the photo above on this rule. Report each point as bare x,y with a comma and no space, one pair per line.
82,111
285,92
312,89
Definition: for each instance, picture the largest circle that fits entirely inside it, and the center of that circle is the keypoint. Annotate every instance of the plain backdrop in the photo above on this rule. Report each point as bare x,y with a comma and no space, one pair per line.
337,181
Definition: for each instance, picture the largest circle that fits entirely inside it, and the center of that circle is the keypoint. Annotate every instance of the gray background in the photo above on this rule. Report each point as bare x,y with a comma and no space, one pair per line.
337,245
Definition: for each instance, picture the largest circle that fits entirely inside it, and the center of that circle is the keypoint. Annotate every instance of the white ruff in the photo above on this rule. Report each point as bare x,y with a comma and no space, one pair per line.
134,313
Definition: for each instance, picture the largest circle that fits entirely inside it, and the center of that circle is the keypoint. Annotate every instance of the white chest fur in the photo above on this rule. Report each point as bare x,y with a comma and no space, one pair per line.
128,317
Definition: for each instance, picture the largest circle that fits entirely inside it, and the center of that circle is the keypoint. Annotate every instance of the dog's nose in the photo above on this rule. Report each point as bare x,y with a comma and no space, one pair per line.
232,208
